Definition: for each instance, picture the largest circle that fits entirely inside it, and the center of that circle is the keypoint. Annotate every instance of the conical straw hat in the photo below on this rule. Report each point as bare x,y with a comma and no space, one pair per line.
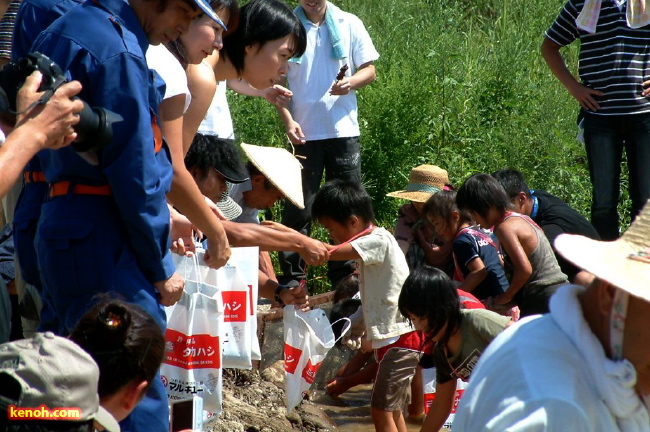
625,263
281,168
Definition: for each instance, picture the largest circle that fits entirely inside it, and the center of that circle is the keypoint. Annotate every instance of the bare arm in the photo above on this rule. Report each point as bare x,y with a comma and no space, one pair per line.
184,193
440,407
477,274
202,84
48,126
343,253
276,95
511,242
583,94
364,75
312,251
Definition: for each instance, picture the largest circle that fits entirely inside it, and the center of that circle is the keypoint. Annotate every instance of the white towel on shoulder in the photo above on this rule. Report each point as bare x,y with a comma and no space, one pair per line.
637,15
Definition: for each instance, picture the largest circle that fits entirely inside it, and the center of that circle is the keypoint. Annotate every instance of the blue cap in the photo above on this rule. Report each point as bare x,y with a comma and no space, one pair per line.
205,7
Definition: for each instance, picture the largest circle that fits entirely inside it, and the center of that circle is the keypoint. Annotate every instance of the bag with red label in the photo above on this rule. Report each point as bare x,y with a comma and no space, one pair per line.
308,336
192,364
429,380
237,327
237,282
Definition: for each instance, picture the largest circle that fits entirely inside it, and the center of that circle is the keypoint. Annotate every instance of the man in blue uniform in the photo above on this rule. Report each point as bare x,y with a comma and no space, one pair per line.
104,226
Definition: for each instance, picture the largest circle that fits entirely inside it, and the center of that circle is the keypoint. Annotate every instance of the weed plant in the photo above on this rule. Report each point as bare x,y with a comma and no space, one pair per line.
460,84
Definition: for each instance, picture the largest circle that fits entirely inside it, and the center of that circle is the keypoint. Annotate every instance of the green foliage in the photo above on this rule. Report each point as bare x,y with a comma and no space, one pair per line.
460,84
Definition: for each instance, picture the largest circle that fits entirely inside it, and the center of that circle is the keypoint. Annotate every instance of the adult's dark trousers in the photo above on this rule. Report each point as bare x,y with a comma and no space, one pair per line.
605,138
337,158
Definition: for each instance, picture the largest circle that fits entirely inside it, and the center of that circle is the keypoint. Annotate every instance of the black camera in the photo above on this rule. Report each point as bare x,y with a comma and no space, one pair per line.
95,127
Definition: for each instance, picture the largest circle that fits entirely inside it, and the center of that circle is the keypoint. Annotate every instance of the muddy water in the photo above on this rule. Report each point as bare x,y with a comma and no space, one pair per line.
351,411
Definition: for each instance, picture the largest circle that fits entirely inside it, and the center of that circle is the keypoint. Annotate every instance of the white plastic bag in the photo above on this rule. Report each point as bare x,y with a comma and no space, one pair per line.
308,337
429,379
192,364
237,326
246,260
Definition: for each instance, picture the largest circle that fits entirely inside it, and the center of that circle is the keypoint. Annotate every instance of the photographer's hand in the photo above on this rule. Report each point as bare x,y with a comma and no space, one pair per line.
50,124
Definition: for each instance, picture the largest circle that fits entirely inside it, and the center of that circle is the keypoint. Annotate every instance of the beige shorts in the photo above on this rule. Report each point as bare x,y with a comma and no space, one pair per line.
392,389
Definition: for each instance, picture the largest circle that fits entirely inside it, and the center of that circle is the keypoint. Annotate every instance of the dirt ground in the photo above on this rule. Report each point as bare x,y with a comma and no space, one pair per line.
252,403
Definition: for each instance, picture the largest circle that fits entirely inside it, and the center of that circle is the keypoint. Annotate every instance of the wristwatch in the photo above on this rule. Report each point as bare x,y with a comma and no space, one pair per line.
278,290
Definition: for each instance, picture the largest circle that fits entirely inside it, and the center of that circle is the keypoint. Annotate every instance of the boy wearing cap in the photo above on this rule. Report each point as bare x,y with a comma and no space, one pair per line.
105,226
585,365
46,374
213,161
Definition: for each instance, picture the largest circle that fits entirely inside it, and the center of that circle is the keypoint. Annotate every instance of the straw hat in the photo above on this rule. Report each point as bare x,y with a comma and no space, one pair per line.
281,168
424,181
624,263
228,207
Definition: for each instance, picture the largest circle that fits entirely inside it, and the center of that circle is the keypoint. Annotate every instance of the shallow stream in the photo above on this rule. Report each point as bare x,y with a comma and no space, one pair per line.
351,411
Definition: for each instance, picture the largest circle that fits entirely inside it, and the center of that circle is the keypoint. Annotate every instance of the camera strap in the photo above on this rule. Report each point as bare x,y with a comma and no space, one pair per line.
45,97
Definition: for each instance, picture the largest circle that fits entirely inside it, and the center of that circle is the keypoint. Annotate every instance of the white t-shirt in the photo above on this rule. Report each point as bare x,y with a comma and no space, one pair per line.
218,120
382,271
167,66
532,378
236,192
320,115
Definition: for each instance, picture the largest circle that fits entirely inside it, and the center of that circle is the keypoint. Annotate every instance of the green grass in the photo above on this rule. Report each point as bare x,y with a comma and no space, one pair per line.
460,84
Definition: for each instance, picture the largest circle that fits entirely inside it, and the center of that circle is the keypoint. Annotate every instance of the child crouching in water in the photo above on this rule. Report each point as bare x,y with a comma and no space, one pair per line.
432,304
475,251
536,274
345,210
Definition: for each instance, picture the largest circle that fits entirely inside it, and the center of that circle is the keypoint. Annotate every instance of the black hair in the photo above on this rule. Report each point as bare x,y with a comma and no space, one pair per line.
161,5
429,293
340,199
346,287
513,182
344,309
177,48
254,171
125,342
209,151
480,192
262,21
442,204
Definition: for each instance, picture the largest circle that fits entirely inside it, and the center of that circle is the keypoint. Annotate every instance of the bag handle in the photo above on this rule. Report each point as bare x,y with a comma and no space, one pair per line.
311,331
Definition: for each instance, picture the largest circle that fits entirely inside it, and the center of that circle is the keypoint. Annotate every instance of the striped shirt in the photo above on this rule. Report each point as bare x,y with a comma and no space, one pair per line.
7,29
613,60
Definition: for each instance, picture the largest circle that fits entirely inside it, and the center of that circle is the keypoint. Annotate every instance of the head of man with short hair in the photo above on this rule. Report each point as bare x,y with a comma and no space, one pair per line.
274,174
49,383
213,161
515,185
262,194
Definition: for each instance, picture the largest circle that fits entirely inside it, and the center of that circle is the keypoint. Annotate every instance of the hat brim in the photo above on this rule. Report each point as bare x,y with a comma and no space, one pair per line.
233,177
205,7
278,167
229,208
419,197
107,420
608,261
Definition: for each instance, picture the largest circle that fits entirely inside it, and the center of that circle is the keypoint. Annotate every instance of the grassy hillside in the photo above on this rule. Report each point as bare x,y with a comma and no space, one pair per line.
461,84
